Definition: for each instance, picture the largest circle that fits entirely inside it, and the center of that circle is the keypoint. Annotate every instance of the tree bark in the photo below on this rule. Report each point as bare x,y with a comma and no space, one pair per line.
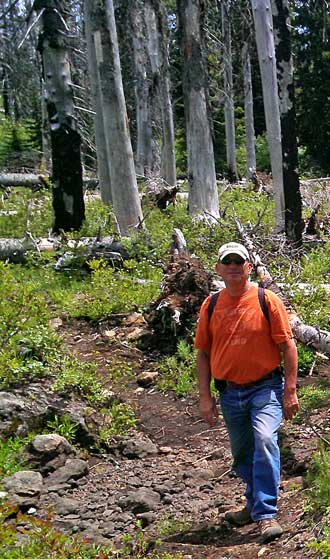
203,196
68,200
125,196
156,22
145,151
267,61
248,115
101,140
229,94
293,216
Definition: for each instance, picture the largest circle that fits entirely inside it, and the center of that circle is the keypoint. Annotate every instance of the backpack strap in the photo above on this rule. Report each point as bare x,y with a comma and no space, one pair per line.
263,304
261,297
212,304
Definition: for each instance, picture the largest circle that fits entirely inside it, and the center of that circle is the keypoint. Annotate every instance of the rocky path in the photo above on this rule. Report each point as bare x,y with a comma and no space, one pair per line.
174,475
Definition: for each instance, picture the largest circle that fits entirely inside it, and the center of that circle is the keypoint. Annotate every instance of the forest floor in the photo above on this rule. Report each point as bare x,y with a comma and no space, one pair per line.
194,460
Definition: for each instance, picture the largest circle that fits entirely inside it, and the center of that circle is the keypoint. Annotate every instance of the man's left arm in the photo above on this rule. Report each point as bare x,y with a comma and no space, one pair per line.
290,398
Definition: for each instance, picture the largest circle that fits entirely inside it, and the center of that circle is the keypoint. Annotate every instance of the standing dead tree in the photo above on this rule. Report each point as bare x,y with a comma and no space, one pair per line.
68,200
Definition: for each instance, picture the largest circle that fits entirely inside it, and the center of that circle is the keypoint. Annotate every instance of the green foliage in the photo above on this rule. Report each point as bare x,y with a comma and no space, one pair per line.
63,426
79,376
18,144
319,482
108,291
323,546
312,398
179,371
25,210
306,359
10,455
262,154
40,540
29,346
172,525
316,265
119,421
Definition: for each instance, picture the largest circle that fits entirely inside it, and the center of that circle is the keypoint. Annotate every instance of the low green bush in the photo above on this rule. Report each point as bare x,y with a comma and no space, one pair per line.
178,372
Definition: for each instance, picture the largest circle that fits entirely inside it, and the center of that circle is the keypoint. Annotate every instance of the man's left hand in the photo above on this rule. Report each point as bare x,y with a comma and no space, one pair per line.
290,403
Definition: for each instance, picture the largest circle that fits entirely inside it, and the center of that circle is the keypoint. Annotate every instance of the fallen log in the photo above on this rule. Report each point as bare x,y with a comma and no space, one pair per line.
309,335
31,180
78,253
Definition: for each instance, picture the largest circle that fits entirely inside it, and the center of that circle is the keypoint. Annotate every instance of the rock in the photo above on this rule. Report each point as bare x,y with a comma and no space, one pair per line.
72,470
147,378
134,448
24,488
142,500
108,529
65,506
48,452
30,408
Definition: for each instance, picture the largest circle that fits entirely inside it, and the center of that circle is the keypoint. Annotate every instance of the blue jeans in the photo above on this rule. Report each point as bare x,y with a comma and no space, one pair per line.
253,416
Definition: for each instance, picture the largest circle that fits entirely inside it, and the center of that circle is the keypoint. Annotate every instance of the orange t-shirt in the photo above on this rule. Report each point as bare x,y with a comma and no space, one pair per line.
242,345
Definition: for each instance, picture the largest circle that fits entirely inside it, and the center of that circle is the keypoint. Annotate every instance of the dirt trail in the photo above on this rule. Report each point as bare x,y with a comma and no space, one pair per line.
196,462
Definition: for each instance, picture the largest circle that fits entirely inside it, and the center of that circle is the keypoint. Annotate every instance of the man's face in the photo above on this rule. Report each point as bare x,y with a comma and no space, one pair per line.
234,269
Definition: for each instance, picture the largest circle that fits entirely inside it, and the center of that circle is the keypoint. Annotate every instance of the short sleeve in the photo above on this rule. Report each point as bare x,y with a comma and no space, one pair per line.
280,326
203,337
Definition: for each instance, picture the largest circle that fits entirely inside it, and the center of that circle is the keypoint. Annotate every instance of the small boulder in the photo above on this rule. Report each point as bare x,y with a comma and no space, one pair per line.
135,448
23,488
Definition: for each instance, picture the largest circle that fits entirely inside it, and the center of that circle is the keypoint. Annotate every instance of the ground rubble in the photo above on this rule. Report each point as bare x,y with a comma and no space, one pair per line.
172,474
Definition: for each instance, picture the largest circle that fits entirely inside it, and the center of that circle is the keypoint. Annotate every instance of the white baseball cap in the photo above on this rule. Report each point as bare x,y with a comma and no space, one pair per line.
233,248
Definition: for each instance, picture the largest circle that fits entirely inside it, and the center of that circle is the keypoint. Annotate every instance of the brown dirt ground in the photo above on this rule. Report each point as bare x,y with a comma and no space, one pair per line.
173,422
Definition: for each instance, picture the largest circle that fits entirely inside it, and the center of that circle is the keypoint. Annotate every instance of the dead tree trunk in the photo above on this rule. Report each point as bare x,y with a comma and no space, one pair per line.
68,200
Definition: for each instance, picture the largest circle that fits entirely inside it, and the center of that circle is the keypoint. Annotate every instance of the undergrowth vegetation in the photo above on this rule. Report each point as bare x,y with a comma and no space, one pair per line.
33,294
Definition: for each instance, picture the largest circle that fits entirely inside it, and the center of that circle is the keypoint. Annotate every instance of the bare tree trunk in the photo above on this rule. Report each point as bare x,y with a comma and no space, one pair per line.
248,114
203,195
5,92
45,133
126,202
156,22
145,164
229,94
266,54
92,24
68,200
293,217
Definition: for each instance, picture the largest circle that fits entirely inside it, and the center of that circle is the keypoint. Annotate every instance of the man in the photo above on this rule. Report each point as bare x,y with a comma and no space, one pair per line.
242,348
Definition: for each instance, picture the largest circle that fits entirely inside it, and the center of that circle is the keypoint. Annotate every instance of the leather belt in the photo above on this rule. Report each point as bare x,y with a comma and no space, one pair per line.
271,374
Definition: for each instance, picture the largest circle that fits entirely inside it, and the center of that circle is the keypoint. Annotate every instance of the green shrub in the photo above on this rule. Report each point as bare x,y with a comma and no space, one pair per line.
107,291
119,420
312,398
10,455
262,154
18,144
178,372
318,478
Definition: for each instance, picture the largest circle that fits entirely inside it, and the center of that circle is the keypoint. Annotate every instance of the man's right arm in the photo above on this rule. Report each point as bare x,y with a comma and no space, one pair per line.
207,403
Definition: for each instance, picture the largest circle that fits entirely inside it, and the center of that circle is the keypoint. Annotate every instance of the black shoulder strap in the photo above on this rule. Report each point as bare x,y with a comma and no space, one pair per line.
263,304
261,297
212,304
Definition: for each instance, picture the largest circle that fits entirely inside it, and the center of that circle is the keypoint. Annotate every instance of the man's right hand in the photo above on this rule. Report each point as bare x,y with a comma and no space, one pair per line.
209,409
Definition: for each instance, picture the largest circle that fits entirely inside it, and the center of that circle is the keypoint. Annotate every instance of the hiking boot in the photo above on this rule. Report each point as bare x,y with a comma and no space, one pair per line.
269,530
239,517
